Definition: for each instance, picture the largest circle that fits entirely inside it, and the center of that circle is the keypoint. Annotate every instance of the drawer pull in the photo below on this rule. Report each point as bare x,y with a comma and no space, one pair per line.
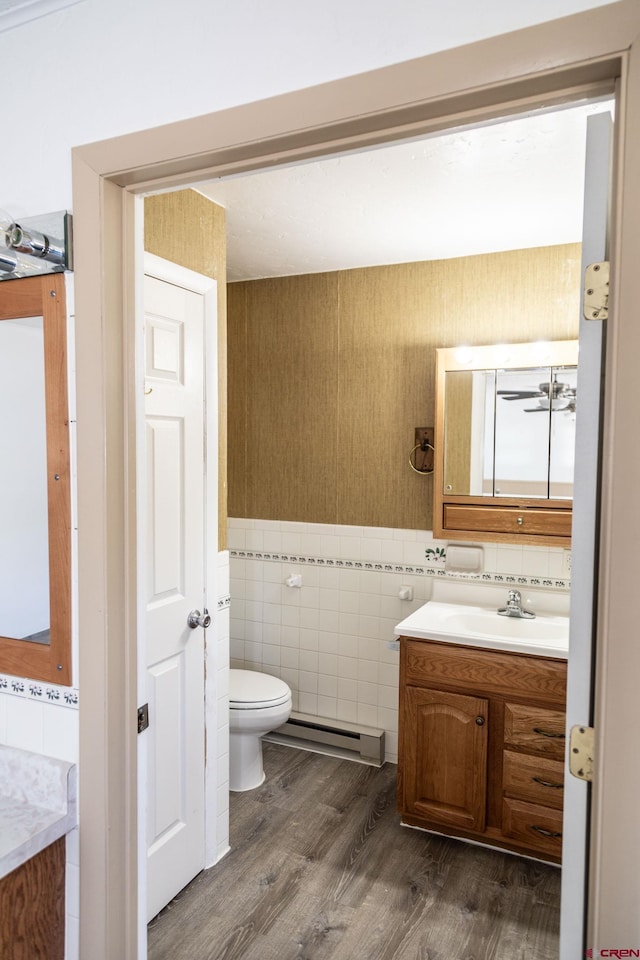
546,833
548,783
548,733
480,721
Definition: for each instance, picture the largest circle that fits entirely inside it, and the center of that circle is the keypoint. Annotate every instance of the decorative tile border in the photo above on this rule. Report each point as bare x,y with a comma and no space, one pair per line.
224,602
43,692
416,570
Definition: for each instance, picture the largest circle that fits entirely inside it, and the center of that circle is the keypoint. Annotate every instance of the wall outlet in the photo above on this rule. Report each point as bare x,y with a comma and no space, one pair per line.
566,564
423,458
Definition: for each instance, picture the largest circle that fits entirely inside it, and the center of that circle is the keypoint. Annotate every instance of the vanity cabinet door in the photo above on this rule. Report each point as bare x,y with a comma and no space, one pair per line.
445,762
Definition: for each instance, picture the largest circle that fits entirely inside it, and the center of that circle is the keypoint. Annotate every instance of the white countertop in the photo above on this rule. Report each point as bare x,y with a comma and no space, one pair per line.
37,804
468,616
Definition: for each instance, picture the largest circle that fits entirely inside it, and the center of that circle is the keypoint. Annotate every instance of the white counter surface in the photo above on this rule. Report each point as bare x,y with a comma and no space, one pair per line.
37,804
468,616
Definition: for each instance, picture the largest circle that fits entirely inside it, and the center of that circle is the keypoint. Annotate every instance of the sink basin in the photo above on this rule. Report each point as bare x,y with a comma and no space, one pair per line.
546,635
488,623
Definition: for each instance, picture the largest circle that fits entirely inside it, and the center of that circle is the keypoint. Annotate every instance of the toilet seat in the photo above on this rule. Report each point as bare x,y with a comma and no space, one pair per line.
249,690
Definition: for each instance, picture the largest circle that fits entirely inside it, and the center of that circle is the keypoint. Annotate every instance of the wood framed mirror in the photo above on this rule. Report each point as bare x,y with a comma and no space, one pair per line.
505,440
35,500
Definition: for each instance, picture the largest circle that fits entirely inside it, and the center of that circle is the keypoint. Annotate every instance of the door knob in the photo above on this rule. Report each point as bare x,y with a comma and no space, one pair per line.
197,619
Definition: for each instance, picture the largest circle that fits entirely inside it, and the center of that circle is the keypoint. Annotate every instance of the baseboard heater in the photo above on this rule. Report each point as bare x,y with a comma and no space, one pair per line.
334,737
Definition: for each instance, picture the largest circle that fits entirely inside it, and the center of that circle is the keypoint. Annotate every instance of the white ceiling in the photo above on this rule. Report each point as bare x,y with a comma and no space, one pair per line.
504,186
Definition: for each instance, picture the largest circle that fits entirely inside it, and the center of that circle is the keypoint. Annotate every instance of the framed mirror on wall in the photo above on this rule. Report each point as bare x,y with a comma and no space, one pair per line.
35,499
493,445
505,441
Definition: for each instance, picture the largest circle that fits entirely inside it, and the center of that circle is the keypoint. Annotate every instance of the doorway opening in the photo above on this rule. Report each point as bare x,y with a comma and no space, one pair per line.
235,185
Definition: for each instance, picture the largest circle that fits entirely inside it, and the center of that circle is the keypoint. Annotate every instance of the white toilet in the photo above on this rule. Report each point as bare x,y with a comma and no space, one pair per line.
258,703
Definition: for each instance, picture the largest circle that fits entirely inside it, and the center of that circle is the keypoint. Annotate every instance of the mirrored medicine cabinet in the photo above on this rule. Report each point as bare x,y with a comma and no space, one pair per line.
35,508
505,442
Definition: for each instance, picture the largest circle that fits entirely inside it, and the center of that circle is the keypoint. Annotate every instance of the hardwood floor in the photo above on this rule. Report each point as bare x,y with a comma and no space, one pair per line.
320,869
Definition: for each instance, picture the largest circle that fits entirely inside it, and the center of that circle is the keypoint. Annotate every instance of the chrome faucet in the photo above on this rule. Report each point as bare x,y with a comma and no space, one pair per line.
514,607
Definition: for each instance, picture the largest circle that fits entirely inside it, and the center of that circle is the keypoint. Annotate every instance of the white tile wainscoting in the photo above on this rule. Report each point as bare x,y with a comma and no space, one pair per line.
332,638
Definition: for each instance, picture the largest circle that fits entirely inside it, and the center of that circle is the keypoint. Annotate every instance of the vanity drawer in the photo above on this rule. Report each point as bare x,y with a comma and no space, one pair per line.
535,729
427,662
530,521
536,779
536,826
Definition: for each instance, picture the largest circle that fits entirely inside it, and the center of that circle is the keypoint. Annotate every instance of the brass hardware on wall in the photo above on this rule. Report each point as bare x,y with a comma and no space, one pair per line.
421,456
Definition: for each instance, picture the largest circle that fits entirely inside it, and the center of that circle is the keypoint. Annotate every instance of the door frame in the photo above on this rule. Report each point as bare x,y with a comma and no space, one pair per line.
550,63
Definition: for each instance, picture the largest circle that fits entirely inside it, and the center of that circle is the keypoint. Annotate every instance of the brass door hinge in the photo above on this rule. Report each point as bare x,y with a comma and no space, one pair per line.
581,744
596,291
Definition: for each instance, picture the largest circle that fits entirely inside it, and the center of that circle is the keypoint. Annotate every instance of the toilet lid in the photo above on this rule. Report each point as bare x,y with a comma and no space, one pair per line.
250,690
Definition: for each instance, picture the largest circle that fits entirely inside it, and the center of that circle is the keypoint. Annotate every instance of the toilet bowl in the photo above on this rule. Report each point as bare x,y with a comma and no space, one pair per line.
258,703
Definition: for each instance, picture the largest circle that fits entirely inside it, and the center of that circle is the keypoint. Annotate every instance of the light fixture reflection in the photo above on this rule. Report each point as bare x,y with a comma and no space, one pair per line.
503,354
542,352
464,355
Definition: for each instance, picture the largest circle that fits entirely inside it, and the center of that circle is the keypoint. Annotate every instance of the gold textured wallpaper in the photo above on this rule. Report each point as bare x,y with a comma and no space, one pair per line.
330,373
189,229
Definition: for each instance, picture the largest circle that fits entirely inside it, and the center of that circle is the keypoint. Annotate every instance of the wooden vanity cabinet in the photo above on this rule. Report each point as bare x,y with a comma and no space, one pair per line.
481,746
32,907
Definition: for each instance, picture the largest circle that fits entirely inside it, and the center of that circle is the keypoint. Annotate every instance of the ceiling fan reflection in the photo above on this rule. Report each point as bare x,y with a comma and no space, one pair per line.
555,395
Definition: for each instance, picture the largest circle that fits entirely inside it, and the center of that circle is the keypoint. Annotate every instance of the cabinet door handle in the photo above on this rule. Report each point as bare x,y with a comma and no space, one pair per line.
480,721
548,733
546,833
548,783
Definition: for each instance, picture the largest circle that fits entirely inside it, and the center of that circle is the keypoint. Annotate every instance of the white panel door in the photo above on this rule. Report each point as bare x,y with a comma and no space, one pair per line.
584,539
175,584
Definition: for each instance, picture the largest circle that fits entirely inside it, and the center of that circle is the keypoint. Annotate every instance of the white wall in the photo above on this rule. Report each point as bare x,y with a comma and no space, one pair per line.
99,69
